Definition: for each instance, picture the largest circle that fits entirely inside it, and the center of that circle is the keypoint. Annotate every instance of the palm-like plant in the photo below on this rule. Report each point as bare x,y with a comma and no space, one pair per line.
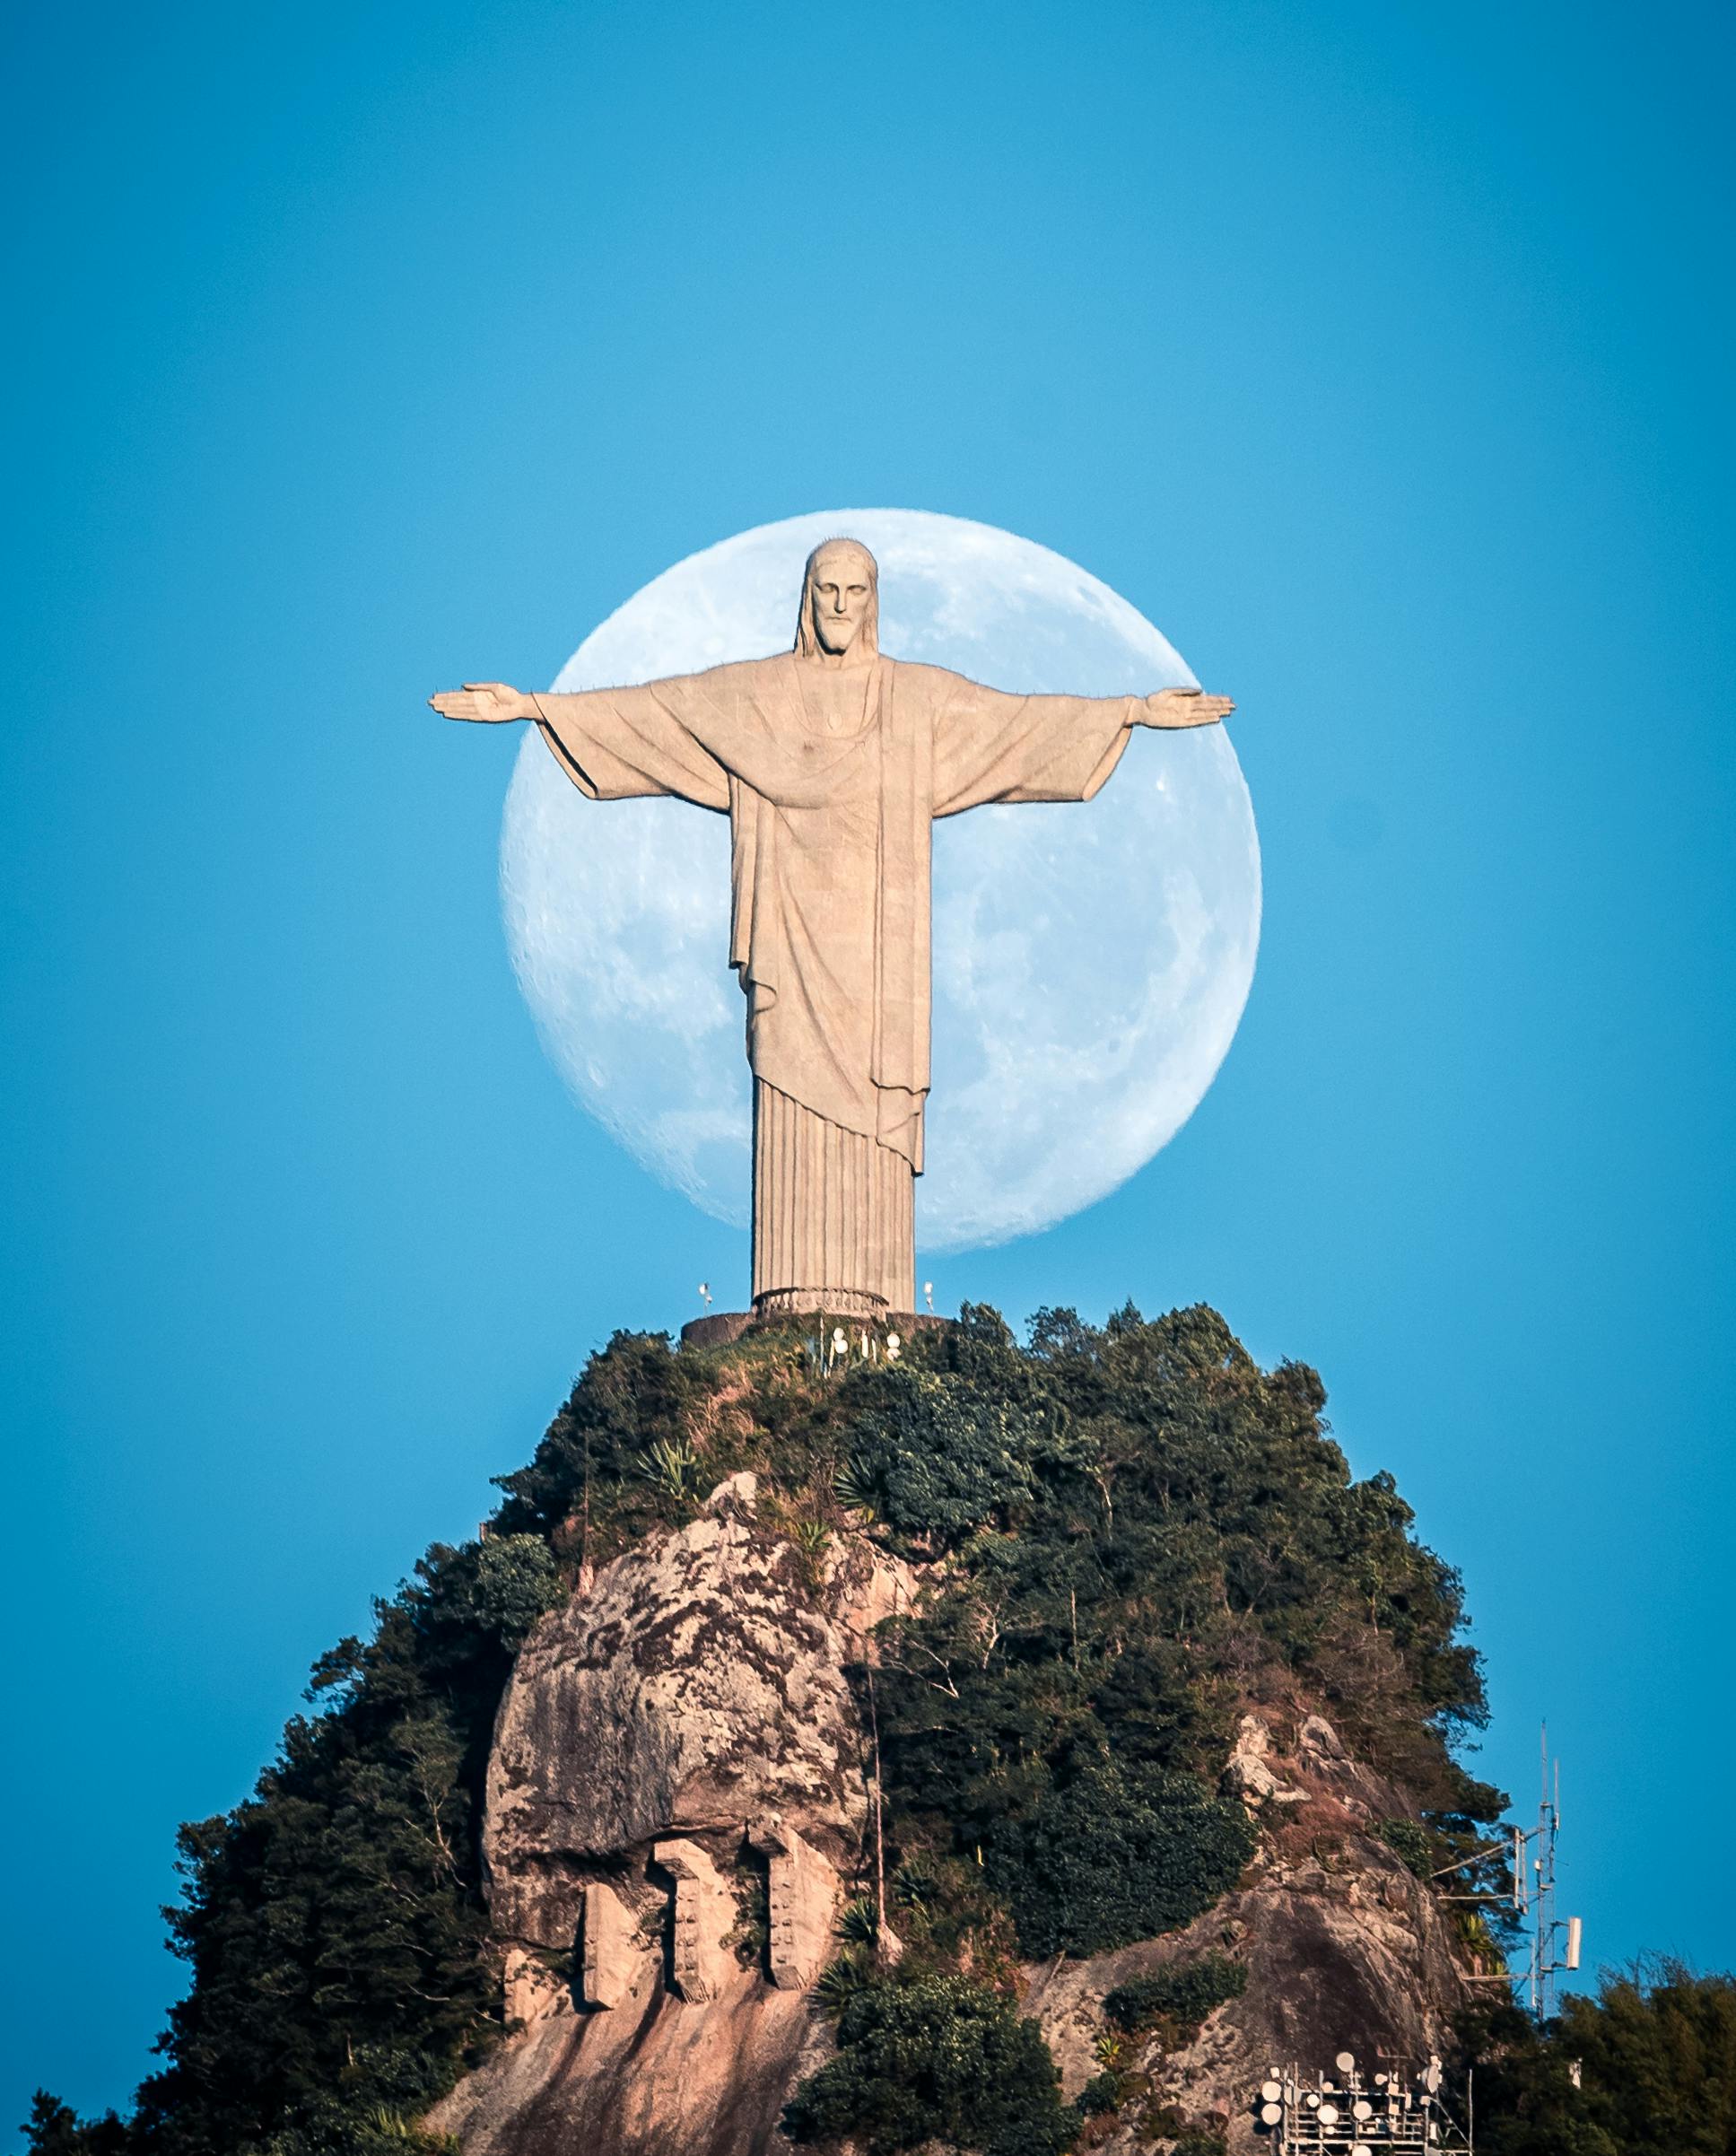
838,1983
670,1465
858,1923
811,1537
855,1490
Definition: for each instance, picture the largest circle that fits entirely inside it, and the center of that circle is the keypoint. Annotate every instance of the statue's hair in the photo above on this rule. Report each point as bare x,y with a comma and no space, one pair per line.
806,645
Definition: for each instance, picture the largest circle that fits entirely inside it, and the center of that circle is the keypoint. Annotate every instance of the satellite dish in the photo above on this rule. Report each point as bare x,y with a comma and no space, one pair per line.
1346,2062
1270,2114
1432,2079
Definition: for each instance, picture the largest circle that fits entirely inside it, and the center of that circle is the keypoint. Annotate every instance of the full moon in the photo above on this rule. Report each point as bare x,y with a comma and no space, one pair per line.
1091,962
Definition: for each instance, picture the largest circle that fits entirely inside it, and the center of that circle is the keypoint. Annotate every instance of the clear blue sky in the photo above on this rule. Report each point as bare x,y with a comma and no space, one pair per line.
1380,352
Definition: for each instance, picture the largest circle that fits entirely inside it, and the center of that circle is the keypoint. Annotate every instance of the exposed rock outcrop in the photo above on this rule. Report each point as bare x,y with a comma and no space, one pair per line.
678,1790
678,1777
1343,1948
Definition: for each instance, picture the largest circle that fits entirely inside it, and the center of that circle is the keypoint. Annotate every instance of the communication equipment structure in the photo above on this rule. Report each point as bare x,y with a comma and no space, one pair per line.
1335,2116
1530,1894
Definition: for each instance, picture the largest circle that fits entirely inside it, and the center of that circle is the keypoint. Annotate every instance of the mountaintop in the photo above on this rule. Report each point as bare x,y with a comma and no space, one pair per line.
1011,1747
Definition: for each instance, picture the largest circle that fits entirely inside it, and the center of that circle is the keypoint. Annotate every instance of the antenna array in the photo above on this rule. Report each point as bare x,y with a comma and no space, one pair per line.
1352,2111
1530,1894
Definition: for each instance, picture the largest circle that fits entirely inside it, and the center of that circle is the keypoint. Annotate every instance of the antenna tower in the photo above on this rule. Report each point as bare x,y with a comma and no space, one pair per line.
1530,1894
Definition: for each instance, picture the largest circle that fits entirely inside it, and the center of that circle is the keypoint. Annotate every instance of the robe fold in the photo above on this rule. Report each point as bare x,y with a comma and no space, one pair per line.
829,922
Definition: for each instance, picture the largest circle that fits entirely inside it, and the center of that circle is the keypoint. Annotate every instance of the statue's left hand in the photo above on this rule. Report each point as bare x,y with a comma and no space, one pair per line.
1185,707
488,702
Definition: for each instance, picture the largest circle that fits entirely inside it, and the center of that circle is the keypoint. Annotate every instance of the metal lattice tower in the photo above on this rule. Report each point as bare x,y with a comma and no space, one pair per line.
1349,2111
1555,1940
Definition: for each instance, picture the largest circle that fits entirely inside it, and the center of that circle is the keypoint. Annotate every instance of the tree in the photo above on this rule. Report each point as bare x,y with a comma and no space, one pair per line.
1647,2068
1112,1856
54,2129
941,2058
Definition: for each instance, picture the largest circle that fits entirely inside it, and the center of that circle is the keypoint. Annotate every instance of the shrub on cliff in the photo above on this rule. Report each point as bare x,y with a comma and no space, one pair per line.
587,1488
1115,1856
940,2058
938,1458
1183,1993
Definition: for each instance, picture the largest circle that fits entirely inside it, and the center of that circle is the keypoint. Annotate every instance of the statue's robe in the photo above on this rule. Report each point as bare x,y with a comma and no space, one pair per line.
830,802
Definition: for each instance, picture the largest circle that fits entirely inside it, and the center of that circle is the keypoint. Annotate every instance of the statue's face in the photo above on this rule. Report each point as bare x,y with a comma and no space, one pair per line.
838,594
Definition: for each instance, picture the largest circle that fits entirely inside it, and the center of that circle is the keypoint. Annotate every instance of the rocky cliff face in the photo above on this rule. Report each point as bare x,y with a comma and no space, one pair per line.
678,1785
1344,1949
678,1794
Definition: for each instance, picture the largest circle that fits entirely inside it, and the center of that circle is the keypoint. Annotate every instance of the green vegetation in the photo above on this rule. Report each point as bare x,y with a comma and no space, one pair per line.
1100,2093
1113,1855
54,2129
1413,1844
333,1923
1139,1531
938,2058
1655,2056
1146,1530
936,1458
1181,1994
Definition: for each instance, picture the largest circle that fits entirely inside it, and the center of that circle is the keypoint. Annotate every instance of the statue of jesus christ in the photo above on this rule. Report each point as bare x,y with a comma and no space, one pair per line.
831,763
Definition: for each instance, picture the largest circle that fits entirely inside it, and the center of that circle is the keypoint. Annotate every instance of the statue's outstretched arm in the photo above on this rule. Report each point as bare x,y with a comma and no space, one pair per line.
993,747
616,743
488,702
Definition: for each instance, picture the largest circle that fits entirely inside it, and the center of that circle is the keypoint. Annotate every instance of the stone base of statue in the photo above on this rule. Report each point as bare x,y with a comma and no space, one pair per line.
723,1326
836,1302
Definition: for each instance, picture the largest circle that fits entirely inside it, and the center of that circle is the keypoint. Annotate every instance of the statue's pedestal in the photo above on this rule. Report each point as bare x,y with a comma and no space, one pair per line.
723,1326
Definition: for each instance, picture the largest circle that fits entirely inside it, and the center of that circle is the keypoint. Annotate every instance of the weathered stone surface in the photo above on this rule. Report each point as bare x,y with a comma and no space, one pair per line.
1249,1773
694,1691
695,1687
1344,1949
704,1911
1356,1956
615,1965
656,2079
802,1896
532,1987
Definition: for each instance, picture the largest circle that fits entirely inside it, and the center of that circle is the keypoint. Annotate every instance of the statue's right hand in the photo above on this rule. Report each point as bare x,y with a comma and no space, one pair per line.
488,702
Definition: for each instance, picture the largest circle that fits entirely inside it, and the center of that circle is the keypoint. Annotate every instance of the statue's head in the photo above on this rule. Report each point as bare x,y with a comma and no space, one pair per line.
840,602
